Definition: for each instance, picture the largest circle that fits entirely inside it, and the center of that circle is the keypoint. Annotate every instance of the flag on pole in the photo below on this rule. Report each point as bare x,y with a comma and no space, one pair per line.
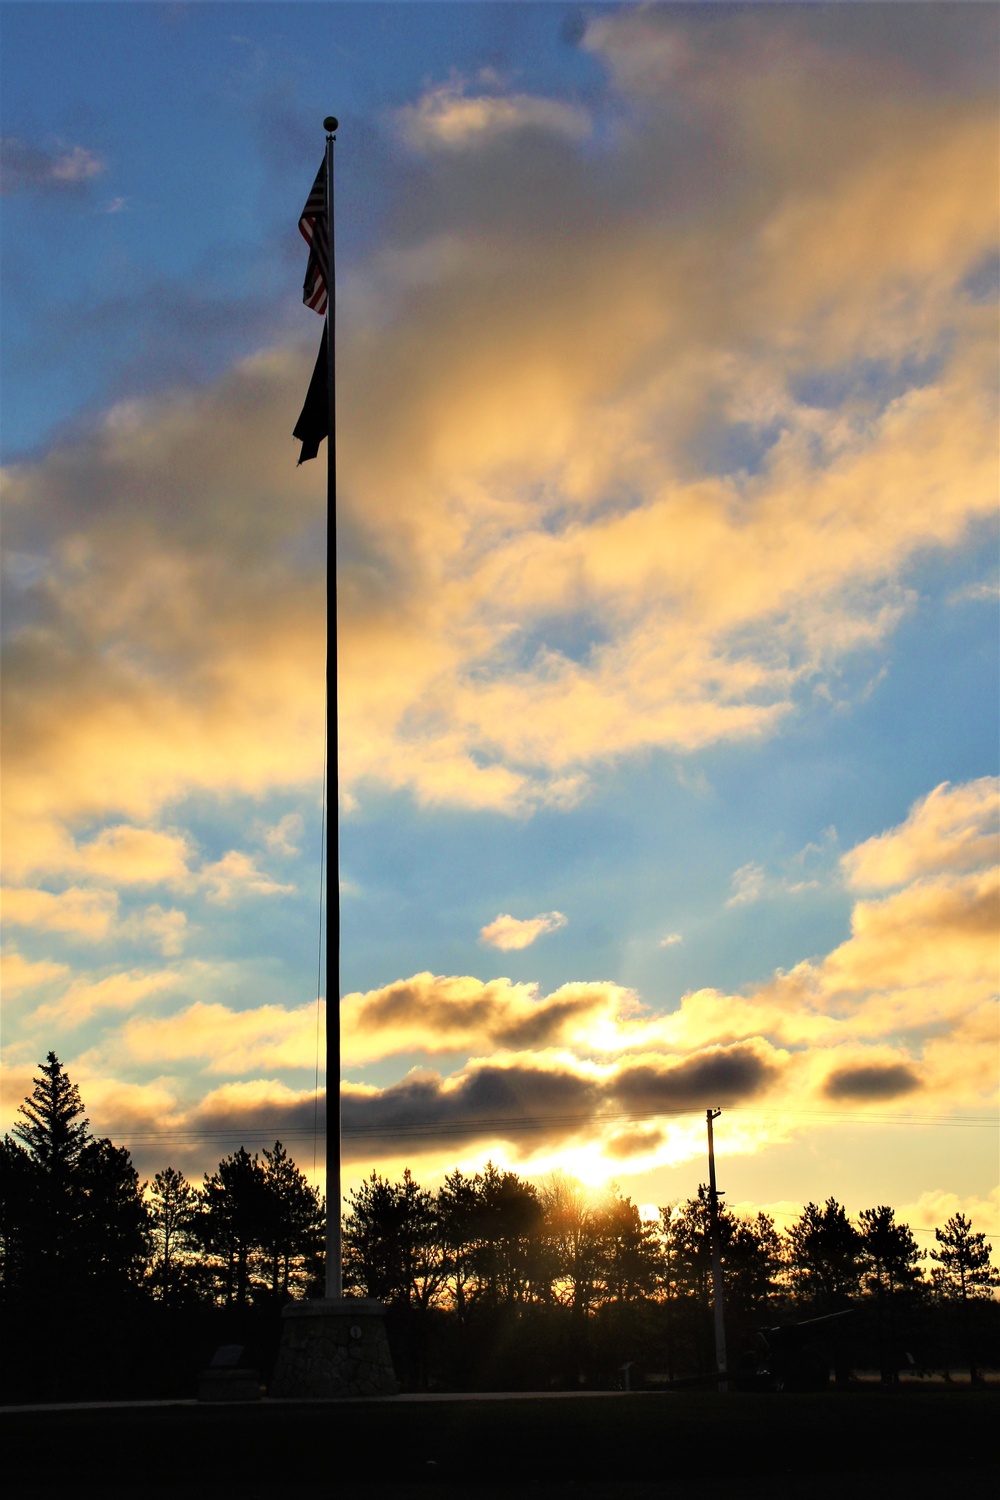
314,420
313,228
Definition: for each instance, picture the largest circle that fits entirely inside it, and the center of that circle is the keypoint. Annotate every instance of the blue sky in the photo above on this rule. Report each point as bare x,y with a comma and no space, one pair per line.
668,589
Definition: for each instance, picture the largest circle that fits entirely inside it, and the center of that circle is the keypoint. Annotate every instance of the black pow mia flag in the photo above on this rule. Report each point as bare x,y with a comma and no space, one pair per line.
314,419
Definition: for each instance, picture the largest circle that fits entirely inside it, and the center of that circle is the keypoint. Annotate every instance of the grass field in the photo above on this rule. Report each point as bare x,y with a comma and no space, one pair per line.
857,1444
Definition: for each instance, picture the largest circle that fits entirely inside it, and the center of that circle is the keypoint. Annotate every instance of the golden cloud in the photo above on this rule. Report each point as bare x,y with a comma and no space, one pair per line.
906,1004
507,932
224,1040
18,974
145,856
235,875
87,914
533,405
85,998
451,118
952,828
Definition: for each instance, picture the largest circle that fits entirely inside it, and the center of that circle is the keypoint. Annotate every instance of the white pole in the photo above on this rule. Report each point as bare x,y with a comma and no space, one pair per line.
717,1297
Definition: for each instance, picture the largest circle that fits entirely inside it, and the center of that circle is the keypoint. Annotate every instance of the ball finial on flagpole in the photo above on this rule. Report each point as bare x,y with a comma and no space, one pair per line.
330,123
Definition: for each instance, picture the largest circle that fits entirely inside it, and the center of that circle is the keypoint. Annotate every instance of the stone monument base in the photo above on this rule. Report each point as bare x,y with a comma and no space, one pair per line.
333,1347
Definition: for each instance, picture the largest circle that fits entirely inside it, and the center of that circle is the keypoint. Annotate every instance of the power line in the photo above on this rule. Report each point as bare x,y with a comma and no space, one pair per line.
482,1124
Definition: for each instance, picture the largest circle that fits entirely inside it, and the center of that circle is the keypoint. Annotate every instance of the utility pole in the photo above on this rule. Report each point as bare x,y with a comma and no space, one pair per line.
717,1300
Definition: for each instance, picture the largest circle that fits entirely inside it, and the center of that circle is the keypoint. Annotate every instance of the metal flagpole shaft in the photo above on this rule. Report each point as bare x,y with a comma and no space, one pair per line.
718,1305
334,1248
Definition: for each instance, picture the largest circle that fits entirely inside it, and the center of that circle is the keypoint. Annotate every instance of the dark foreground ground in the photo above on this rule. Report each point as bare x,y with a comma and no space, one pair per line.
921,1445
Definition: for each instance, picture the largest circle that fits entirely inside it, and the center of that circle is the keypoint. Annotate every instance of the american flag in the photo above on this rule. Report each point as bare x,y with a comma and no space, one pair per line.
312,226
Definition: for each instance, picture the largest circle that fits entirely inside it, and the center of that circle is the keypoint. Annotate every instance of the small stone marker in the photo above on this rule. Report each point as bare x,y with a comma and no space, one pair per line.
226,1380
226,1356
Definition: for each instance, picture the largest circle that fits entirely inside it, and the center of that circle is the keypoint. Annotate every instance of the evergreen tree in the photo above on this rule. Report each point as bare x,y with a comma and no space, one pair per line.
173,1207
232,1224
456,1215
825,1257
752,1263
891,1256
115,1229
964,1269
293,1224
506,1237
392,1242
688,1248
52,1124
965,1281
20,1224
892,1279
628,1249
75,1215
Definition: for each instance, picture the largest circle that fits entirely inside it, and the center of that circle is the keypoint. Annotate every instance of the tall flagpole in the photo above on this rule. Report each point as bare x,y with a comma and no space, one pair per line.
318,1332
334,1249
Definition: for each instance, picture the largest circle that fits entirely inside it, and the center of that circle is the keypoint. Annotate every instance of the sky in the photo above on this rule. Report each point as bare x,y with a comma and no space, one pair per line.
667,631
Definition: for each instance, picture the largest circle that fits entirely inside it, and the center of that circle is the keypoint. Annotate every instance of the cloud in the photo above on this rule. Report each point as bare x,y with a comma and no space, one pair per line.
92,915
718,1075
143,856
186,628
25,168
952,828
671,940
235,876
933,930
165,930
748,885
448,118
752,883
282,838
871,1083
256,1107
534,1106
592,504
907,1002
429,1013
538,1105
84,998
976,593
222,1040
82,913
18,974
484,1103
936,1206
508,932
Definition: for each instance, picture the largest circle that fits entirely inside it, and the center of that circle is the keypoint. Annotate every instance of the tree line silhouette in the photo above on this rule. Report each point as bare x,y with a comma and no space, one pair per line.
111,1286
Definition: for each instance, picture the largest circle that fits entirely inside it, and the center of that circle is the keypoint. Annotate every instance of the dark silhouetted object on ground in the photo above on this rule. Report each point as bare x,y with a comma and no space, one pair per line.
228,1378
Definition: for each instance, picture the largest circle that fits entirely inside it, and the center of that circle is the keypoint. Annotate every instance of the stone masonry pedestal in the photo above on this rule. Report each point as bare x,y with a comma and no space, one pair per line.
333,1347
